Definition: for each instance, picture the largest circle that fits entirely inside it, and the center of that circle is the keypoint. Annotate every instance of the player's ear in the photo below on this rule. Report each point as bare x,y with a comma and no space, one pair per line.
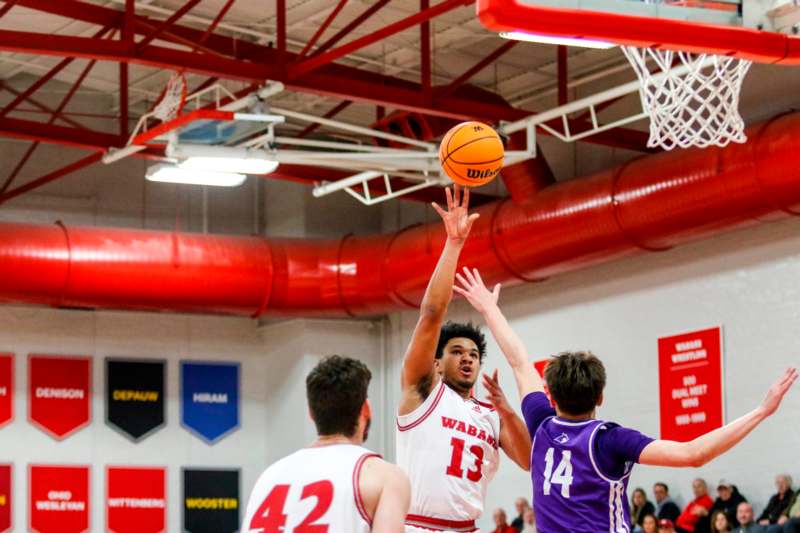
366,410
600,400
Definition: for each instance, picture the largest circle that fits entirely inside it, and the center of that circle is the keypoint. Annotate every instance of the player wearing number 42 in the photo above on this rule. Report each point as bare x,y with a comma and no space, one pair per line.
580,465
335,485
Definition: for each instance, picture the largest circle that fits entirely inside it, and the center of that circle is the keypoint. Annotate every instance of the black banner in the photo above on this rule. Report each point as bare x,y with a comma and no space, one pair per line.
210,500
135,396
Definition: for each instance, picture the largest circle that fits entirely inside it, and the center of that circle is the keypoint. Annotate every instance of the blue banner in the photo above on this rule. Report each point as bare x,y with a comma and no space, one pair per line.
210,399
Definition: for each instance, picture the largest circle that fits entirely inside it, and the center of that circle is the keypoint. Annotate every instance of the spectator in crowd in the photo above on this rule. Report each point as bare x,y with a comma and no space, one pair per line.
501,523
747,524
522,505
789,521
779,502
720,522
640,507
666,526
728,500
528,521
694,518
649,523
665,507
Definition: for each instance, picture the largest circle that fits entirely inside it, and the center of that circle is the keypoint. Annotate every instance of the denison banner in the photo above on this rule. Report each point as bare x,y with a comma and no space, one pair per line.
690,384
59,393
59,499
135,396
210,399
210,500
136,500
6,389
6,486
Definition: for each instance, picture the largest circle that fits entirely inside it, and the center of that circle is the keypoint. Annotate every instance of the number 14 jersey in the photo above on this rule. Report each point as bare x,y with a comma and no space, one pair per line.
448,446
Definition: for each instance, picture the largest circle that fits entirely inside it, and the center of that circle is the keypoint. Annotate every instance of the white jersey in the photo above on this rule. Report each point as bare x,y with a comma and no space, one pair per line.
448,446
316,488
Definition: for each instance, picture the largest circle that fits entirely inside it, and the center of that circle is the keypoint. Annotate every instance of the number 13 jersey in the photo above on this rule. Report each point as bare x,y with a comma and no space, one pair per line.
448,446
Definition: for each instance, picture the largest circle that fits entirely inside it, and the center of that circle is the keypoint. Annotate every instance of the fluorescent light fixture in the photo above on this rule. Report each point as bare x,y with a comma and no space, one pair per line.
550,39
249,165
171,174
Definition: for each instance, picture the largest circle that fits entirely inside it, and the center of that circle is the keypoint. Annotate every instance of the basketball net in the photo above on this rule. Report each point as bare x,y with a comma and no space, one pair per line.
696,105
174,97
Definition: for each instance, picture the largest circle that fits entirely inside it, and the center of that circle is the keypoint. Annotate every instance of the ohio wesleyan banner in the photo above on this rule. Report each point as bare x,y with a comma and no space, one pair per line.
59,499
210,500
210,399
59,393
135,396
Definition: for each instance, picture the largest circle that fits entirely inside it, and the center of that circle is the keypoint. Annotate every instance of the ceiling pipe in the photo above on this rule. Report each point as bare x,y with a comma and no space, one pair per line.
648,204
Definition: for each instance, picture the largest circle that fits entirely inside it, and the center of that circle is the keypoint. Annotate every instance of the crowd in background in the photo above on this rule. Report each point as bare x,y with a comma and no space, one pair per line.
730,512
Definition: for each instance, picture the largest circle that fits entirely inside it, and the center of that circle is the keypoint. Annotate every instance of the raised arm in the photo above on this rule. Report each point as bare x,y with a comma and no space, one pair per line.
417,375
514,437
703,449
474,290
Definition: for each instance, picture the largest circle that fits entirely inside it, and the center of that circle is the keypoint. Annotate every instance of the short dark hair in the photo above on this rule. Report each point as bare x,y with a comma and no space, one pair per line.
452,330
576,381
661,484
337,389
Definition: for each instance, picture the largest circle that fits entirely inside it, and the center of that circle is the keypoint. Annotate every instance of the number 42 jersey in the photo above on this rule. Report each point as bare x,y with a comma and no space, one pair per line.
313,489
448,446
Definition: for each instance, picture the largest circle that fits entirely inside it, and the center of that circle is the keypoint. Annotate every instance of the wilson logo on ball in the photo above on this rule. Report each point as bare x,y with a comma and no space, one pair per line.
473,173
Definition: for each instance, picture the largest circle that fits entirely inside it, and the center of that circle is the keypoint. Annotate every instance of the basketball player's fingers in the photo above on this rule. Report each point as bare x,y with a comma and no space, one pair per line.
494,377
460,291
477,276
471,220
438,209
468,275
465,199
456,195
462,281
449,196
496,292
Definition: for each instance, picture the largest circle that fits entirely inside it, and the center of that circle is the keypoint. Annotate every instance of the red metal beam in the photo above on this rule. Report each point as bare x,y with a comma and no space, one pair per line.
123,99
356,22
55,134
41,106
52,176
477,67
562,75
214,23
425,51
280,15
324,26
185,8
409,22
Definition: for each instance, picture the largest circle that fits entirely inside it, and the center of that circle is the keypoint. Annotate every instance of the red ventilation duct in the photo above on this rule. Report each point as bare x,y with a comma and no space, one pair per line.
651,204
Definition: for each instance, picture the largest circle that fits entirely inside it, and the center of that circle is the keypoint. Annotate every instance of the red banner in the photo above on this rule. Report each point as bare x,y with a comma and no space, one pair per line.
690,384
136,500
6,488
6,389
540,366
59,499
59,393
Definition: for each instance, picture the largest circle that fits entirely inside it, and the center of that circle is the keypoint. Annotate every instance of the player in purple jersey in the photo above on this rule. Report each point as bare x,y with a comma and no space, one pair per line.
580,465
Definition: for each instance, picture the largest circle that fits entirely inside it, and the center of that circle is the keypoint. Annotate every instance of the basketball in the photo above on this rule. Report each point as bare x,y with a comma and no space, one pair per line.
471,153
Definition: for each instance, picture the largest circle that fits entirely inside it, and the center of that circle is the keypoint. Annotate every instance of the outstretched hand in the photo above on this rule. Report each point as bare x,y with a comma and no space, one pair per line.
496,395
457,220
778,390
474,290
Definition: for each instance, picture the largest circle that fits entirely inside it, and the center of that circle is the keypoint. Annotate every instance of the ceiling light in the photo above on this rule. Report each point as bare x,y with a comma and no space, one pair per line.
249,165
171,174
550,39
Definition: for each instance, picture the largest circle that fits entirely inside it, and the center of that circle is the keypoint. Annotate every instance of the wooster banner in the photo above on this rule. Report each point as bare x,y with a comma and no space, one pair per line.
210,399
59,393
59,499
136,499
6,486
135,396
210,500
6,389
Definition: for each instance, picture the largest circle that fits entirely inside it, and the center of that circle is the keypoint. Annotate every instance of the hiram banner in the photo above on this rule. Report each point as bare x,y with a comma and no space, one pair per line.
690,384
210,500
59,499
6,390
136,500
6,488
135,396
210,399
59,393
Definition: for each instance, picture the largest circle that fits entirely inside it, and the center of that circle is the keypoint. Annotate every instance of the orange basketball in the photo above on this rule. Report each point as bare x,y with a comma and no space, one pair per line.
471,153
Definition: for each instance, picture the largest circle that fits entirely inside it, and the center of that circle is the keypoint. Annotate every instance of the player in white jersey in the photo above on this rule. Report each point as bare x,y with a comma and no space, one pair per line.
447,441
334,486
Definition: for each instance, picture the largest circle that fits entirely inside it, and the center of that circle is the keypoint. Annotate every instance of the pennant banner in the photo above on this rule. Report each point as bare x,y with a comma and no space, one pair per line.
59,499
210,399
135,396
136,500
6,389
6,488
210,501
59,393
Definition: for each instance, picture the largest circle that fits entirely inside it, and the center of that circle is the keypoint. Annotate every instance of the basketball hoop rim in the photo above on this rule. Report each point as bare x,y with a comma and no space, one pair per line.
640,31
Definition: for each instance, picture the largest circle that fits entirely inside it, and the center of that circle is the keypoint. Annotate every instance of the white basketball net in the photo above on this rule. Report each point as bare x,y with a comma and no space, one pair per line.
692,99
174,97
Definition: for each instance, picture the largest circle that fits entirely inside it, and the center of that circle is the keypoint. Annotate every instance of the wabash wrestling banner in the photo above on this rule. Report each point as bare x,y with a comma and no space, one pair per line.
210,399
136,500
210,500
6,487
59,393
6,390
135,396
59,499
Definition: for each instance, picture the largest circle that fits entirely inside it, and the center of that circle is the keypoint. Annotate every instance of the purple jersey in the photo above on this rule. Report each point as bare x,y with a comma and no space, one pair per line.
580,471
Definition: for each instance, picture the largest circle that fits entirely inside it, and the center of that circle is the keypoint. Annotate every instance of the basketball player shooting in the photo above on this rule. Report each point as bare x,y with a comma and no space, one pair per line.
580,466
336,485
447,441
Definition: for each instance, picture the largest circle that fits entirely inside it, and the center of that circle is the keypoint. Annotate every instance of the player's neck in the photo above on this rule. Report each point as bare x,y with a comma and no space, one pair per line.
575,418
330,440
